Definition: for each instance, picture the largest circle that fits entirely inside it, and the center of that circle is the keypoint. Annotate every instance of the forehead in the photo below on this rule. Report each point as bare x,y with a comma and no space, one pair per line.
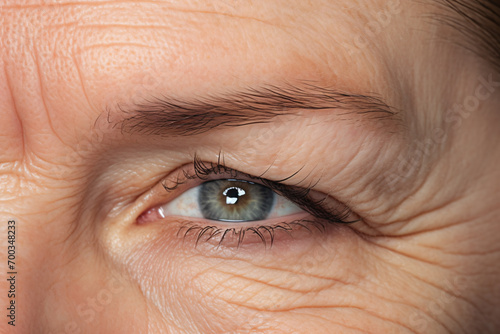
179,45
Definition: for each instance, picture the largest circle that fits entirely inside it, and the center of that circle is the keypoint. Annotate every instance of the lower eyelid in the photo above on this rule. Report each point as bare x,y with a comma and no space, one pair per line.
260,233
235,234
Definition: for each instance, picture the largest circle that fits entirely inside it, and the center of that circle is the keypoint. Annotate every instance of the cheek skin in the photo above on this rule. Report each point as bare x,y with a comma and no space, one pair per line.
69,287
90,297
227,286
336,279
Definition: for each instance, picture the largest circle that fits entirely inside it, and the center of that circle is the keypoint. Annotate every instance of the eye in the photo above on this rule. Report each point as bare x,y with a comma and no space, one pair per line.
219,204
230,200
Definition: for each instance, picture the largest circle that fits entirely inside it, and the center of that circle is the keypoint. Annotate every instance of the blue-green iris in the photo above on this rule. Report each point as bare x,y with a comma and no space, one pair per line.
235,200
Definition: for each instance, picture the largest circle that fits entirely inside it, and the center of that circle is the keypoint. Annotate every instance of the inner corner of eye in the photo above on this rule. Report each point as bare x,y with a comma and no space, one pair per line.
150,215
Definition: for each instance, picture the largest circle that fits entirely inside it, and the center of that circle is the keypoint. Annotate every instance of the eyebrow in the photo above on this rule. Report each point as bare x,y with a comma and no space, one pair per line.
170,116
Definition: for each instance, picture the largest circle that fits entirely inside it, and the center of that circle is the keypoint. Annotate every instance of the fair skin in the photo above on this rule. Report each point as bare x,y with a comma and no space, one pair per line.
422,182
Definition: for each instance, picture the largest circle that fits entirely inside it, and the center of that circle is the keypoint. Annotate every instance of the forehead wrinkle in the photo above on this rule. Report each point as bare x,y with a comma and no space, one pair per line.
74,7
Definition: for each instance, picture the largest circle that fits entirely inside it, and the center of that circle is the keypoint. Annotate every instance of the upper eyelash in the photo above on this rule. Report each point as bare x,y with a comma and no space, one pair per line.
202,172
298,195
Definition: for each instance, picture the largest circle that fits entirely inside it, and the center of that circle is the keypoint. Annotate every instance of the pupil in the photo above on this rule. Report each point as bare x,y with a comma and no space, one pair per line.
232,193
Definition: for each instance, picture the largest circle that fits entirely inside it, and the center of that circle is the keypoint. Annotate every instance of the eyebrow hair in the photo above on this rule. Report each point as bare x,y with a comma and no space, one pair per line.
478,22
169,116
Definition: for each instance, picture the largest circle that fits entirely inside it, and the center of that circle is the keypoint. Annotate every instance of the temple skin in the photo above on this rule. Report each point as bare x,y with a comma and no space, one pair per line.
424,256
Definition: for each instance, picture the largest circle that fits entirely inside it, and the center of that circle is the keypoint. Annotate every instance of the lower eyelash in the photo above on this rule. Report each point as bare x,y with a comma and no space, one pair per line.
266,233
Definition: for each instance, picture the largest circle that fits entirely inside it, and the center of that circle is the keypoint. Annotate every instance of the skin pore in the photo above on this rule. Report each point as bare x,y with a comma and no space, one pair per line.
374,107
